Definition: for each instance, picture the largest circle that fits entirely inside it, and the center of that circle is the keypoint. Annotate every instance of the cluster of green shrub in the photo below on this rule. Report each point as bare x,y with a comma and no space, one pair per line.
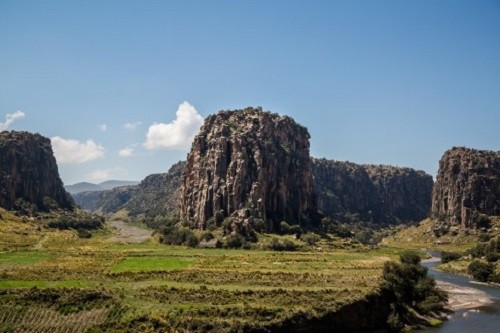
415,293
76,222
485,255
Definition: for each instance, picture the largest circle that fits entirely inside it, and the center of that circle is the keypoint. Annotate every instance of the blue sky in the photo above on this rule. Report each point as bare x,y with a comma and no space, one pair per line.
392,82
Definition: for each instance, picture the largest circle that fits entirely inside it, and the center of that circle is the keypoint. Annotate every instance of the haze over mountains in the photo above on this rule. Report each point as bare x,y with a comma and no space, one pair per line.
103,186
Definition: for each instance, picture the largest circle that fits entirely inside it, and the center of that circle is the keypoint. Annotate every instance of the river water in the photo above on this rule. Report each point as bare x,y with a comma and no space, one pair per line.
486,320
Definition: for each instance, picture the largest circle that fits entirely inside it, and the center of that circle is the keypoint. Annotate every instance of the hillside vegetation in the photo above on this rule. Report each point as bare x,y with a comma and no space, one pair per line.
101,284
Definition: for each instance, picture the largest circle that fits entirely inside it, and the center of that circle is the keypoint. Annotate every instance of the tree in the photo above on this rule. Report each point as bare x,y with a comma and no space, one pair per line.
412,288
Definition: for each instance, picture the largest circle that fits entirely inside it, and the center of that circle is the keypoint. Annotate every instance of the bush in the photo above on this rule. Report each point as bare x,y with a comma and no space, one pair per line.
310,238
410,258
259,225
65,223
480,270
233,242
492,257
286,245
207,235
284,227
179,236
84,233
450,256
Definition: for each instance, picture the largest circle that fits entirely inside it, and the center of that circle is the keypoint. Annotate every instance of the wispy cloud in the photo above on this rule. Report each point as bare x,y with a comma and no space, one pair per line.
100,175
126,152
10,118
103,127
132,126
179,133
69,151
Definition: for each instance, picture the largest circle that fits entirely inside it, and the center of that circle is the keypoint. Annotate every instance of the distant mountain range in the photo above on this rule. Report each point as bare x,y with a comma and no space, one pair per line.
104,186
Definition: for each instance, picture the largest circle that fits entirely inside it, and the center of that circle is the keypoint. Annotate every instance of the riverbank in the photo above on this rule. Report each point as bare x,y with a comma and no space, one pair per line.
464,297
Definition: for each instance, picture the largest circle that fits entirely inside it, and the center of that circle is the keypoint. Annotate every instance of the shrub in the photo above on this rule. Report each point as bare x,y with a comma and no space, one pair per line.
286,245
65,223
492,257
84,233
259,225
449,256
180,236
233,242
207,235
480,270
310,238
410,258
284,227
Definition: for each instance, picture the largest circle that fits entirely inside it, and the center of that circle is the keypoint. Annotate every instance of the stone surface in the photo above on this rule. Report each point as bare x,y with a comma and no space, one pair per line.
371,193
29,177
467,184
250,164
405,193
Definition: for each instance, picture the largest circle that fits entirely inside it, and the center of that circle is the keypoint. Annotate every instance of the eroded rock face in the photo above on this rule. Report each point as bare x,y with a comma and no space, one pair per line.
405,193
248,163
156,195
371,193
29,177
467,184
343,189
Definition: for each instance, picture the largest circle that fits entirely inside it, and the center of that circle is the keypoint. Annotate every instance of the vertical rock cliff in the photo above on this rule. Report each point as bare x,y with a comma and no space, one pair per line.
29,178
467,184
371,193
405,193
249,163
344,189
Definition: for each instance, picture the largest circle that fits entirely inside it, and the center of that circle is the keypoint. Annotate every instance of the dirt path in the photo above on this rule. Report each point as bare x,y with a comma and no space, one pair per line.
128,234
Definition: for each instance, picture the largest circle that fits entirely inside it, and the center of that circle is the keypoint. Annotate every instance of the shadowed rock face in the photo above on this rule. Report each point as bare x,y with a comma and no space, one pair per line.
468,183
29,178
372,193
248,163
405,193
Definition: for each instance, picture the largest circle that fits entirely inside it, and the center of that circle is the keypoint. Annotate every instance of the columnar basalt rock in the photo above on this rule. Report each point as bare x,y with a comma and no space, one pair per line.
467,184
371,193
29,178
249,164
405,193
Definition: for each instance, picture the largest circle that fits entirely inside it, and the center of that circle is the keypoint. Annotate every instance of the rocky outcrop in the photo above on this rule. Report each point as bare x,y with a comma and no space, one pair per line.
29,177
156,195
467,184
371,193
344,191
405,194
251,164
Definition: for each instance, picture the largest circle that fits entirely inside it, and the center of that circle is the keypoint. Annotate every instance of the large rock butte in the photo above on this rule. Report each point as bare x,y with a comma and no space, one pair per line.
467,184
29,178
248,164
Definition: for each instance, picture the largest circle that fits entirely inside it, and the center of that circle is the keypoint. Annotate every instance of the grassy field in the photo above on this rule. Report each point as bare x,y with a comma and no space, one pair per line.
52,280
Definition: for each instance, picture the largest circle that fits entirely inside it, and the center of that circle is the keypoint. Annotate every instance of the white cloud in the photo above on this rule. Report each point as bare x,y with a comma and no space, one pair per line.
103,127
132,126
100,175
69,151
179,133
10,118
126,152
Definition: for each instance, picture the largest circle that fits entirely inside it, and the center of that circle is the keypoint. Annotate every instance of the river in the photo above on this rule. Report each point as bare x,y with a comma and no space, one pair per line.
481,320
